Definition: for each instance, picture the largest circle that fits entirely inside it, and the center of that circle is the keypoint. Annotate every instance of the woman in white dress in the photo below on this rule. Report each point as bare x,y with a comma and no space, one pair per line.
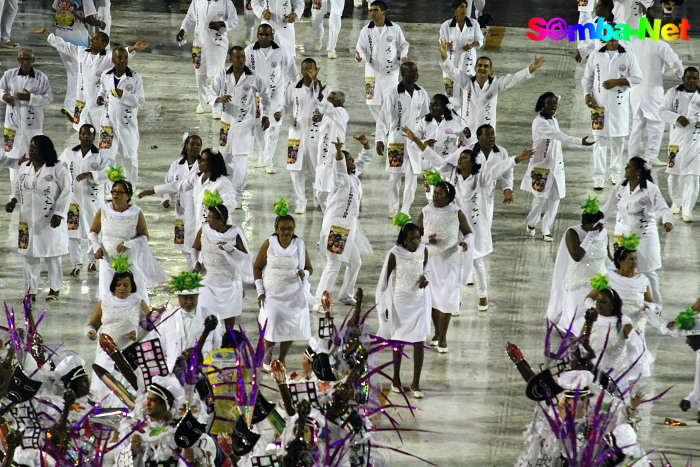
446,233
42,188
224,251
282,270
118,314
123,228
185,218
403,301
212,176
638,202
88,170
544,177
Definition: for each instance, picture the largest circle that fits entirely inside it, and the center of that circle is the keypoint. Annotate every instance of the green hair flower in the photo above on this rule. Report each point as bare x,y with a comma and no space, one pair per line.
686,319
186,280
629,242
121,263
281,207
400,220
212,200
115,174
590,206
600,282
432,177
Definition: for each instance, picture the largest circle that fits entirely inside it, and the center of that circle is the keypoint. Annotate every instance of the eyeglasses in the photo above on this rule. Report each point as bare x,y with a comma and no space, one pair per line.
286,229
117,193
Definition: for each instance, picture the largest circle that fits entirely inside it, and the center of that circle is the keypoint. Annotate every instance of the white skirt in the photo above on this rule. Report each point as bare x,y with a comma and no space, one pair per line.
410,321
286,312
223,295
444,280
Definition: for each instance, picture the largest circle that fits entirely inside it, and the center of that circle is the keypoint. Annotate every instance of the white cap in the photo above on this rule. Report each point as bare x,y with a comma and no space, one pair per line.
575,379
625,438
195,291
68,365
175,396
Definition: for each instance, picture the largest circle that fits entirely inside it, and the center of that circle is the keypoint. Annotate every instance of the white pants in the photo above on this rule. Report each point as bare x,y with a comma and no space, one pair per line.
32,270
409,191
8,11
655,133
322,197
654,287
317,20
544,208
131,169
600,150
299,179
375,109
202,86
333,30
267,143
75,251
330,274
683,190
72,81
103,14
238,165
480,276
249,19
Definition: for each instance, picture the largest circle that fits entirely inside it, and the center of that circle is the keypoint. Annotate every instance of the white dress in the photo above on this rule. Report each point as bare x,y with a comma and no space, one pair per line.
186,227
223,291
286,307
409,308
614,360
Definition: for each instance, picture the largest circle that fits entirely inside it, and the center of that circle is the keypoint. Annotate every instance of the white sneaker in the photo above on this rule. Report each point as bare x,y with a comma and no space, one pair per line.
615,179
687,218
317,44
200,109
392,213
547,238
332,54
258,164
658,163
456,313
216,115
675,209
347,301
300,210
269,169
529,230
598,185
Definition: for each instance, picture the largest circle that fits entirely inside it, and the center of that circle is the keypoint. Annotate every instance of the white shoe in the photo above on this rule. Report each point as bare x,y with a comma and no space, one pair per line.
200,109
347,301
615,179
238,204
392,213
332,54
11,45
358,3
547,238
269,169
317,44
675,209
216,115
687,218
598,185
300,210
258,165
530,230
455,313
658,163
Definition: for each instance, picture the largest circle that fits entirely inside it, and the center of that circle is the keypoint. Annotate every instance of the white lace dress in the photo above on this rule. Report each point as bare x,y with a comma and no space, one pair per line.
614,360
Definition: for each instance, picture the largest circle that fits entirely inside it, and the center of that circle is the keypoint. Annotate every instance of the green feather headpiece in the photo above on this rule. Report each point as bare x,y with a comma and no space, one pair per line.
432,177
121,263
186,280
281,207
212,200
686,319
600,282
630,242
115,174
590,206
400,220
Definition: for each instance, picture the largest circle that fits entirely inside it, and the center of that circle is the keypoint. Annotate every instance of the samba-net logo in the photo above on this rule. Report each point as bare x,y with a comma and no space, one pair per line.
556,29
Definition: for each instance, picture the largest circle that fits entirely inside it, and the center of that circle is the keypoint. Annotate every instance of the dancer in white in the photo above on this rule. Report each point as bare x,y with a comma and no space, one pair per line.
332,128
319,8
341,240
480,90
680,109
88,171
185,218
212,21
282,270
404,105
489,153
544,177
609,75
281,15
638,202
223,250
445,231
42,188
277,68
121,92
403,301
383,47
235,87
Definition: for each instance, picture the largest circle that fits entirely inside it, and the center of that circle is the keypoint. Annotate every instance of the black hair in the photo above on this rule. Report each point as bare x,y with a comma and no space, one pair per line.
183,153
119,276
216,163
484,57
620,255
591,218
47,150
265,25
610,4
690,69
645,175
449,188
457,3
380,4
286,217
309,60
221,211
481,129
616,305
235,48
405,230
405,65
104,36
539,107
472,158
89,126
229,341
444,100
128,188
122,49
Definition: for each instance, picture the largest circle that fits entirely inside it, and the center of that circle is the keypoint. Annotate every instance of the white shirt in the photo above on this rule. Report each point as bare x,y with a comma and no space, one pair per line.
382,47
684,142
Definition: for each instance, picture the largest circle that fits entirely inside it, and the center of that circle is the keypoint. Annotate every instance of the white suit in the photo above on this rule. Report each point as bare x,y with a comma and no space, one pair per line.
647,97
209,47
603,65
401,109
186,225
463,61
629,11
283,31
382,49
319,8
333,127
119,127
181,329
683,147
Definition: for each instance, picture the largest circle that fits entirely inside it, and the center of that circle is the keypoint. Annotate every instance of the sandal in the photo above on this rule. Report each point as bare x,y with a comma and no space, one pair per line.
92,266
52,296
76,270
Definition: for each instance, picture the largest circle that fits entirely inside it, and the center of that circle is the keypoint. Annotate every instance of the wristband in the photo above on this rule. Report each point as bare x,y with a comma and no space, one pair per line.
90,328
195,256
307,274
94,241
259,287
